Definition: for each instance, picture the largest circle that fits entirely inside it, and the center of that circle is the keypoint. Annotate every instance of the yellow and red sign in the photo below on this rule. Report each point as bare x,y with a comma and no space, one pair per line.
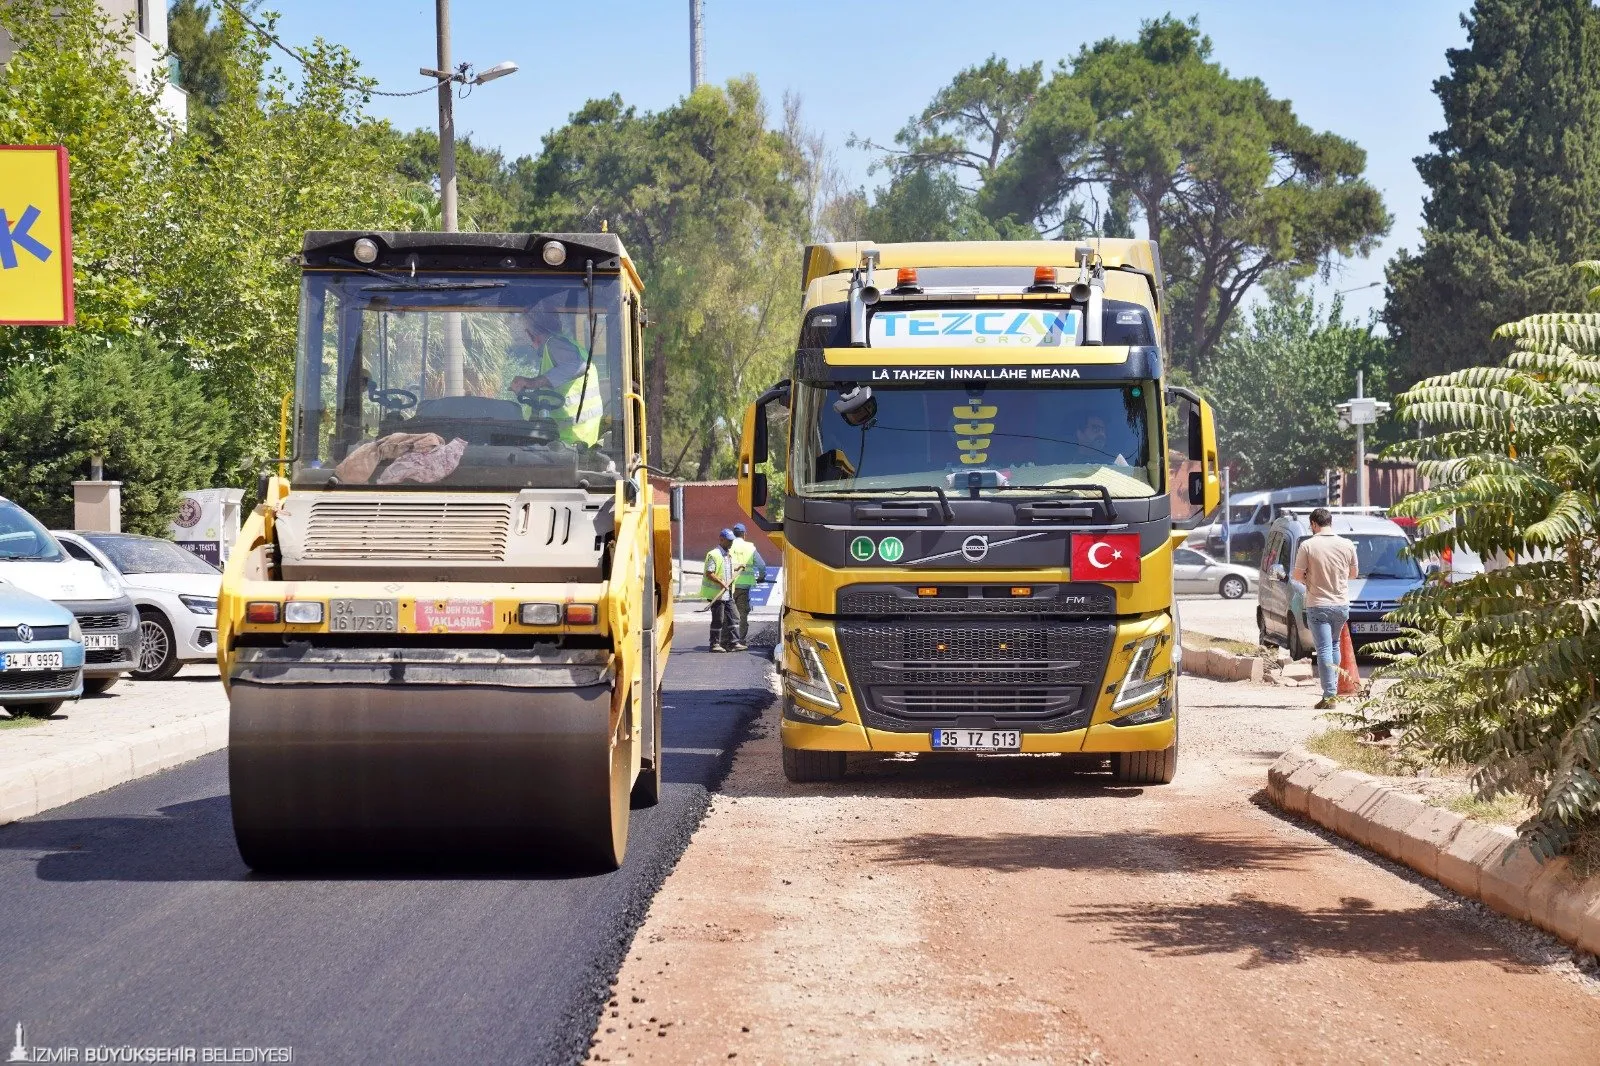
35,236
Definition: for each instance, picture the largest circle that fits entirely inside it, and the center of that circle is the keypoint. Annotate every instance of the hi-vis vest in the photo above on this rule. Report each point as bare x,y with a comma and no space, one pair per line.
720,563
582,427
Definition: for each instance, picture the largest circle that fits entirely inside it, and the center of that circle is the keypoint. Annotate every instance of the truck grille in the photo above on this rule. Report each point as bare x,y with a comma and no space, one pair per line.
922,674
447,530
895,601
51,681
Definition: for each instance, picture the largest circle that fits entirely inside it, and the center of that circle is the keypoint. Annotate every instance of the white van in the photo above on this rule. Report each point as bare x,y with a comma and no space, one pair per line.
32,560
1251,514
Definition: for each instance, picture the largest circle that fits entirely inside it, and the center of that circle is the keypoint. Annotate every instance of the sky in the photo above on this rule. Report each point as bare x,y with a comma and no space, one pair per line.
1359,68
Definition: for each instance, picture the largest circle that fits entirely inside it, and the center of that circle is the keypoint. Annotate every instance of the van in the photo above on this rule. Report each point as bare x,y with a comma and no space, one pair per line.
1385,572
1251,514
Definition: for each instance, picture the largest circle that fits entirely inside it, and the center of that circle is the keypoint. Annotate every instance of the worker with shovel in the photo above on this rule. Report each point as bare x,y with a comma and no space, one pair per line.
716,585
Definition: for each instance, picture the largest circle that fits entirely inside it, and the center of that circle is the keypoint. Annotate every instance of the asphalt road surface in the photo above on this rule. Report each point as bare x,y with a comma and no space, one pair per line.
130,921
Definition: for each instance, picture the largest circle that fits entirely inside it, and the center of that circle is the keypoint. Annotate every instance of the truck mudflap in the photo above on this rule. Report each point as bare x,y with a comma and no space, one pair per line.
342,757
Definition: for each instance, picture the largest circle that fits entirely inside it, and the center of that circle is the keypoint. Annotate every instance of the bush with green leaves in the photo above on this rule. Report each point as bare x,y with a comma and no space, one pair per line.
143,411
1498,671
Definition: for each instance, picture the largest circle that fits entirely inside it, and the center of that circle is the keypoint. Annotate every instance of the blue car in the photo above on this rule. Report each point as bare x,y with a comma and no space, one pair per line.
41,654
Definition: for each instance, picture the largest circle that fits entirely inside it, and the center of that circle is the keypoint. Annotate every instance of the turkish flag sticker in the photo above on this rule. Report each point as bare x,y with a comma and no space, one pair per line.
1105,557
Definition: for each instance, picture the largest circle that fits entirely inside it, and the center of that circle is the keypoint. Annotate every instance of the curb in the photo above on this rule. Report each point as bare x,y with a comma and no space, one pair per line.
1482,862
1222,665
60,779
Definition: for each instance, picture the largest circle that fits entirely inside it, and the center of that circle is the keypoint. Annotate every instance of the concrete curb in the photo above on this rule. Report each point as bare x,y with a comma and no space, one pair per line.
1222,665
1481,861
60,779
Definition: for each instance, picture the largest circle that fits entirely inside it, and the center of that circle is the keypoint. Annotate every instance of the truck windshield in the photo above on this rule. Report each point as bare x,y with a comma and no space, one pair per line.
851,438
467,381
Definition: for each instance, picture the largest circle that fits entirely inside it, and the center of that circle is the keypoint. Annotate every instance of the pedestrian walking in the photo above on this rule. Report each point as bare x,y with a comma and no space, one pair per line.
1325,565
716,585
748,568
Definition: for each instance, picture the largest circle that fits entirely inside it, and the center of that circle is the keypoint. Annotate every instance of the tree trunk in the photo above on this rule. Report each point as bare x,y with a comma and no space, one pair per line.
708,452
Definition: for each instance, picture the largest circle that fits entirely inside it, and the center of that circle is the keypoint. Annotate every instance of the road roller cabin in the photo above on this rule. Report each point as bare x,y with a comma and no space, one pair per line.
443,630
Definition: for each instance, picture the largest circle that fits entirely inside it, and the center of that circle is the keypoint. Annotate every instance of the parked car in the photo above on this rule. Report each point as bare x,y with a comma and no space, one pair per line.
1251,514
31,559
1386,571
174,591
1195,571
41,654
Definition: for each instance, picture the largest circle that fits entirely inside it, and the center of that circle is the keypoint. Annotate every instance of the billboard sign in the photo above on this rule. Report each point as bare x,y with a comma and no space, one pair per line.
35,236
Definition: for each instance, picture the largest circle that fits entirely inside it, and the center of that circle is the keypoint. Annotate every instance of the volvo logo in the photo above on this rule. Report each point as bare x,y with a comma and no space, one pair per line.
25,633
975,547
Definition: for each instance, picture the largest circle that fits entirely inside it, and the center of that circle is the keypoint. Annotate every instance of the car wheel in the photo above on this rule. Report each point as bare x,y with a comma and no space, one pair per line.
158,648
1263,638
1297,649
1233,587
95,686
34,710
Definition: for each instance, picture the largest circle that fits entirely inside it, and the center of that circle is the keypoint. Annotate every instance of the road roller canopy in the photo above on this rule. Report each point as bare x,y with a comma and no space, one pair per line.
488,361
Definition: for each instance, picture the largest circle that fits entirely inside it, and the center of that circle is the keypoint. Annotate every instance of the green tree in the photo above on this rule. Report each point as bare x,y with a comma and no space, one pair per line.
1499,670
202,50
709,202
926,204
1514,183
491,196
1221,173
1275,381
142,410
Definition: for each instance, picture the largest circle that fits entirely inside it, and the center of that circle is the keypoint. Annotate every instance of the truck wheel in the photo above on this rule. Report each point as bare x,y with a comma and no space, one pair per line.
1145,767
647,789
158,648
802,766
35,710
1232,588
94,686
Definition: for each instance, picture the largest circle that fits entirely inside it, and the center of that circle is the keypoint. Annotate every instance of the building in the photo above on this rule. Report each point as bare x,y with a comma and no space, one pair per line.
146,53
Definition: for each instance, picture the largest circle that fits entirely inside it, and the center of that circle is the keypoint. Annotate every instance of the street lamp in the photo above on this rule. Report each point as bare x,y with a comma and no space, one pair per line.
1358,288
1361,411
448,77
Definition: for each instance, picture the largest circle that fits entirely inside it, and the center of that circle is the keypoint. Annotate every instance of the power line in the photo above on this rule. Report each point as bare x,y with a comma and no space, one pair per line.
305,61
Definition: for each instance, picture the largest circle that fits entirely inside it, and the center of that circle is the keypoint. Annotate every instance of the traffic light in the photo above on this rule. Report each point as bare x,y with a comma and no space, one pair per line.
1334,481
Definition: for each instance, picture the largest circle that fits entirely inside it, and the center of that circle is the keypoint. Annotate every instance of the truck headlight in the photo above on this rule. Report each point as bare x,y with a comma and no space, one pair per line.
302,612
1138,684
814,684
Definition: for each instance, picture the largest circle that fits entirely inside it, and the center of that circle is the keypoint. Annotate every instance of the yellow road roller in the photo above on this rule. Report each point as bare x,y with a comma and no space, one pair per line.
443,630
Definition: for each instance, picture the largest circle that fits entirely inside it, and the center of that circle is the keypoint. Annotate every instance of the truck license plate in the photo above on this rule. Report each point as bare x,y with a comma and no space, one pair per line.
93,641
33,660
363,616
977,740
1374,627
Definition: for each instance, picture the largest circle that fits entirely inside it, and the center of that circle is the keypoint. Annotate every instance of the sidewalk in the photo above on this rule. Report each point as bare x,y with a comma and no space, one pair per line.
137,728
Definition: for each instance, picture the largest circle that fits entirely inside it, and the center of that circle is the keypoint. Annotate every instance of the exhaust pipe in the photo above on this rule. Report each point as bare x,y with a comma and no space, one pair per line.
863,294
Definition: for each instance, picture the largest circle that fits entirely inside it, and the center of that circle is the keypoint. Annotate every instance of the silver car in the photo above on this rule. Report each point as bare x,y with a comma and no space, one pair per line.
1195,571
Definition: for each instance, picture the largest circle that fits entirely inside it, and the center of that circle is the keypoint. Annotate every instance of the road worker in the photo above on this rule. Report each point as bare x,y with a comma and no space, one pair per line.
749,568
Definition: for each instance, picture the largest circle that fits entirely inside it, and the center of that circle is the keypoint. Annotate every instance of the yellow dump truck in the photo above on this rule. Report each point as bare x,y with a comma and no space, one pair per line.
443,630
982,475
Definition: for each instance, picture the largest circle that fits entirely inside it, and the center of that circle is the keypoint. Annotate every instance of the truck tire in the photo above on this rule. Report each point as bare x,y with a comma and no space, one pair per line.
1145,767
802,766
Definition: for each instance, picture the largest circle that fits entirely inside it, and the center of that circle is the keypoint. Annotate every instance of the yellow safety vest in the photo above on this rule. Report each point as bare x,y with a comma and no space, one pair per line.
582,427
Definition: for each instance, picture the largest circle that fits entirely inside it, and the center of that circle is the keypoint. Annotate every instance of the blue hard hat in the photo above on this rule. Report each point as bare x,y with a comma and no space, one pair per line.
726,534
738,527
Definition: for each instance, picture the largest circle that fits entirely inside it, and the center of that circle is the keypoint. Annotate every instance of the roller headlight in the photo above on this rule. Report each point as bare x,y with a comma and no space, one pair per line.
1138,684
814,684
539,614
302,613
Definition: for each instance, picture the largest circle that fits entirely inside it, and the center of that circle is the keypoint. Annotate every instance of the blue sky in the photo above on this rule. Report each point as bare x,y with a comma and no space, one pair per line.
1361,69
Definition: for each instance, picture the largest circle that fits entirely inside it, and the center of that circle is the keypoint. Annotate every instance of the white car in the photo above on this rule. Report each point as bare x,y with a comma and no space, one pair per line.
1195,571
174,591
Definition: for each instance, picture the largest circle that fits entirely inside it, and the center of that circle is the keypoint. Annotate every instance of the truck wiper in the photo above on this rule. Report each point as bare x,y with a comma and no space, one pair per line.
1100,491
944,501
432,286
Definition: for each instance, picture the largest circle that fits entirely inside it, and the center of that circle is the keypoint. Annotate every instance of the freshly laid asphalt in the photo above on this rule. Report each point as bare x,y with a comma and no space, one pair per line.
129,920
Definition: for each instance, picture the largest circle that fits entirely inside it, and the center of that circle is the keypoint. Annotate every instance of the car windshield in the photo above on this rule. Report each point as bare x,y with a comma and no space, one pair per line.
149,555
1384,556
22,538
857,437
1242,515
482,381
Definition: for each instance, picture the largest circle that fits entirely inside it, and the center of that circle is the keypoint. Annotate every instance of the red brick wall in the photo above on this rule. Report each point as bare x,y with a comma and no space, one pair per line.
709,507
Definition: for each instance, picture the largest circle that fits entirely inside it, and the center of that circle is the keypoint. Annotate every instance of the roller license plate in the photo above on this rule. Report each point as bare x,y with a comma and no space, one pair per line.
1374,627
363,616
32,660
977,740
97,641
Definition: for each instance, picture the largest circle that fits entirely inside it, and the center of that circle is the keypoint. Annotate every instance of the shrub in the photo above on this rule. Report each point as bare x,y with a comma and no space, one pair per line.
139,407
1499,671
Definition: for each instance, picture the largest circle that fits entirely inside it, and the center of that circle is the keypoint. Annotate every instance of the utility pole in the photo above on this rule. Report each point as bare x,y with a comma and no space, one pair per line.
1361,448
697,44
1361,412
455,357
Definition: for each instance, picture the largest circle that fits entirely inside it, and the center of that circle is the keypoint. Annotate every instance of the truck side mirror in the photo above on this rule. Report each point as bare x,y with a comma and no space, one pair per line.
756,458
758,490
1197,488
